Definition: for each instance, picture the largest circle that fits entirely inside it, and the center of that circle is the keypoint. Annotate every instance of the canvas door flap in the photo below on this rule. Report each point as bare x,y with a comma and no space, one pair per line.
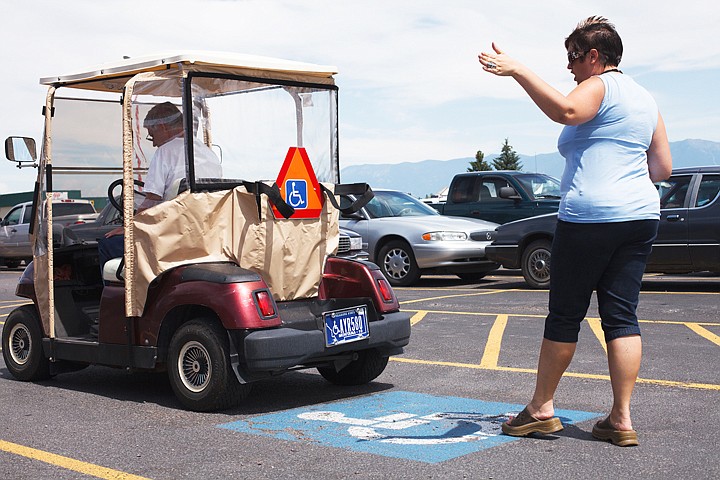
295,253
226,226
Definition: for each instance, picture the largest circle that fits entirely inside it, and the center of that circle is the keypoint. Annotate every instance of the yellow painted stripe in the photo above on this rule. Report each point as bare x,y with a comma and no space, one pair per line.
15,304
492,347
486,314
679,293
441,297
596,327
665,383
523,315
419,315
704,332
66,462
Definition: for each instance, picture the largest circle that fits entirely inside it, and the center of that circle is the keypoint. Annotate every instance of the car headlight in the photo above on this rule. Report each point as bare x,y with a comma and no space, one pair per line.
445,236
355,243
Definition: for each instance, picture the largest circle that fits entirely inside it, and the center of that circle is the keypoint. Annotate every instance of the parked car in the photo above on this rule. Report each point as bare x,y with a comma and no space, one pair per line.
500,196
14,238
688,236
407,239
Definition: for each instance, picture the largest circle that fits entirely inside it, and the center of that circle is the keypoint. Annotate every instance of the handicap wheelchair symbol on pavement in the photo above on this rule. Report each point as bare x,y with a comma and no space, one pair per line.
407,425
296,193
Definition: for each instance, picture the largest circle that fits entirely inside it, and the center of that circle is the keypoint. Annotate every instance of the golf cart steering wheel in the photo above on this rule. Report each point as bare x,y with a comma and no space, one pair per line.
113,185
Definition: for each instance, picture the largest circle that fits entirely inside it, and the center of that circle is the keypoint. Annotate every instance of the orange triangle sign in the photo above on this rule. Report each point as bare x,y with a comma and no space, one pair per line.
299,186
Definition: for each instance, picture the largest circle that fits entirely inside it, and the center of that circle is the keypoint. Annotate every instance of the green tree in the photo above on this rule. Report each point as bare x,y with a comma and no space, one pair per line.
508,159
479,165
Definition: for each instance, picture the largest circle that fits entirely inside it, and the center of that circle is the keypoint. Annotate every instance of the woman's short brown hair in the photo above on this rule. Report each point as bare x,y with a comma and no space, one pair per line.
598,33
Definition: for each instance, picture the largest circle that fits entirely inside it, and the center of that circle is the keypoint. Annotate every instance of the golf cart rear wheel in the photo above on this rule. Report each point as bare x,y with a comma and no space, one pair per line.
368,366
199,367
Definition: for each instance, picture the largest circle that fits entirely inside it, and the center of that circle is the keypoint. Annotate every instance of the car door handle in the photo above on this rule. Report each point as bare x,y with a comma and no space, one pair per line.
674,218
13,231
474,212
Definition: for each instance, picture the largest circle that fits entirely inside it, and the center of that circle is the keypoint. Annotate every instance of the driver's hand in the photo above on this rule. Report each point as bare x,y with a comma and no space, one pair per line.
115,231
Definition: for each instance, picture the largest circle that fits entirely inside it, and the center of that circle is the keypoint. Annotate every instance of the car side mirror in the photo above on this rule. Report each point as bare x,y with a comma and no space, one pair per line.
21,150
352,216
509,193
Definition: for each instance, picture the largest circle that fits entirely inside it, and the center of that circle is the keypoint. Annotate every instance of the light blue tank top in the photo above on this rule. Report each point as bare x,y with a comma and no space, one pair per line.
606,175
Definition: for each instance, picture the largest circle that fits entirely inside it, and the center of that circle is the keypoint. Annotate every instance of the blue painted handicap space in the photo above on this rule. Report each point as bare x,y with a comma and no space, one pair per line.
406,425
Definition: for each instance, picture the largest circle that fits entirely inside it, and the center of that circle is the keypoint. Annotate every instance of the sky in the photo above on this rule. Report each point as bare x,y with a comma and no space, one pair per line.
411,87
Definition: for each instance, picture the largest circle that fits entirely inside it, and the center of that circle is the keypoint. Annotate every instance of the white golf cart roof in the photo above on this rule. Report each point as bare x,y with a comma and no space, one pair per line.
112,76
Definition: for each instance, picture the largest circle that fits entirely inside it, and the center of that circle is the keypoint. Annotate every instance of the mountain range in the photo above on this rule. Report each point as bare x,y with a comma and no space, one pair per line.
427,177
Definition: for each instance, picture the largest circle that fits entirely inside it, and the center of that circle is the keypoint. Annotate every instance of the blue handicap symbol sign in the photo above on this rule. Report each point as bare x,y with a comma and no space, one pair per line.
296,193
406,425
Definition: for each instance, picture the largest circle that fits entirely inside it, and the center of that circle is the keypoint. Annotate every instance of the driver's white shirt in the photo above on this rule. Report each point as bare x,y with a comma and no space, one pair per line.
168,165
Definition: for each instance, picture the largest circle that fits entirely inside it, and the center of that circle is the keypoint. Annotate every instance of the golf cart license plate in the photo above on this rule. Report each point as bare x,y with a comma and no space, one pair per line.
345,326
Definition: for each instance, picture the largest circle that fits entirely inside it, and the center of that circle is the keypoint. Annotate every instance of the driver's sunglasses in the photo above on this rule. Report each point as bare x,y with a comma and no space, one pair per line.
572,56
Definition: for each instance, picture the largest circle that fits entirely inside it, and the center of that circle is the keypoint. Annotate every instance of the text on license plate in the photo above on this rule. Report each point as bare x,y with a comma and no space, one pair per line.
345,326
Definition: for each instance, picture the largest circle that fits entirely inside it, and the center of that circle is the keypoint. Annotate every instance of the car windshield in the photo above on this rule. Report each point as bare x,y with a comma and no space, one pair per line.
539,185
397,204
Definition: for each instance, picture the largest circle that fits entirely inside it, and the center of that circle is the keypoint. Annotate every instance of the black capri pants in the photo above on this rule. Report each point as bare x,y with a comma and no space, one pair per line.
607,257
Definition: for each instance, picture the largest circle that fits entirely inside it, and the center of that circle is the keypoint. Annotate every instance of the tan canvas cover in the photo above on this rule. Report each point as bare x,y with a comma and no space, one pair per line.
224,226
43,256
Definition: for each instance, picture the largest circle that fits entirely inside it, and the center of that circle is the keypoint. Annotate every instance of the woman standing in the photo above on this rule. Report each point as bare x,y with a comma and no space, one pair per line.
615,146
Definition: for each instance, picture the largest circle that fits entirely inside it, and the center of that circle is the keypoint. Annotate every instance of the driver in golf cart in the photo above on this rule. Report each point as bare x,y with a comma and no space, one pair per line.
164,124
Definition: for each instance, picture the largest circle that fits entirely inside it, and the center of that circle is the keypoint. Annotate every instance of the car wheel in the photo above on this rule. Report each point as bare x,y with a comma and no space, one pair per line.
22,345
12,263
366,368
535,264
397,262
199,367
472,276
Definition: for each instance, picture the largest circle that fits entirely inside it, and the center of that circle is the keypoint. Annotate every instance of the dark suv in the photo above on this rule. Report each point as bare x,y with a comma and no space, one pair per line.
688,237
501,196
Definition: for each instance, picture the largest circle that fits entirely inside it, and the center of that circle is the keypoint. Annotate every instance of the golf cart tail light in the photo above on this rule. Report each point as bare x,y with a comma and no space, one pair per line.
385,290
265,303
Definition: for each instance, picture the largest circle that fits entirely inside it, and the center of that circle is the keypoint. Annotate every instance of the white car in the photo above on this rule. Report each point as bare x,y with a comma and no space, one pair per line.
14,238
407,238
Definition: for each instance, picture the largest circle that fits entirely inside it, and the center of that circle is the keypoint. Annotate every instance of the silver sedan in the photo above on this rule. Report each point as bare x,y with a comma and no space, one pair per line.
406,238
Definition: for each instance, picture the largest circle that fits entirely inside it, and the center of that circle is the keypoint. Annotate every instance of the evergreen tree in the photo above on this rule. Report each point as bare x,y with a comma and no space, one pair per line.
479,165
508,159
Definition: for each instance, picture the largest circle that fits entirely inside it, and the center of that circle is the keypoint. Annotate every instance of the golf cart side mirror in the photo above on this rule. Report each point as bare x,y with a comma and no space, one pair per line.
21,150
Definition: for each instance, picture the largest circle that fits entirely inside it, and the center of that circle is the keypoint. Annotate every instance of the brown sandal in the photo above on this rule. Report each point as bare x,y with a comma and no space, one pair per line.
525,424
604,430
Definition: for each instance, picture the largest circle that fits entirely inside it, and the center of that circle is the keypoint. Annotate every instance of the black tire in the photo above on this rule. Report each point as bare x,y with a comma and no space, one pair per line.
199,367
22,345
368,366
535,264
472,276
12,263
397,262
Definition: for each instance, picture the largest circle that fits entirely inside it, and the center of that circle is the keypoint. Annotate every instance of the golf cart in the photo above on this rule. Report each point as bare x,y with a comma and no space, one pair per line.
230,279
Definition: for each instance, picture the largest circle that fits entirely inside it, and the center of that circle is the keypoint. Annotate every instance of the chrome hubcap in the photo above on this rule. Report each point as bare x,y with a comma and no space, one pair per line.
194,366
397,263
20,344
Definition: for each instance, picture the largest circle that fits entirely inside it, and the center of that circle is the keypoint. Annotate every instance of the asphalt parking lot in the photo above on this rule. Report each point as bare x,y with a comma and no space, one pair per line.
434,413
